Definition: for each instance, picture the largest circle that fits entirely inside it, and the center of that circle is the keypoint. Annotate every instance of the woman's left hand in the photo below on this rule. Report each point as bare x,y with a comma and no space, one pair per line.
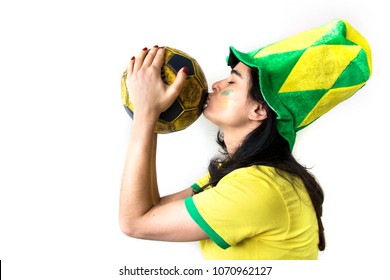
148,93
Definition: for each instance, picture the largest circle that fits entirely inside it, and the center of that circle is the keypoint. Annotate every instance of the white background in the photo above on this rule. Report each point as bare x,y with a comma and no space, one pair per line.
64,133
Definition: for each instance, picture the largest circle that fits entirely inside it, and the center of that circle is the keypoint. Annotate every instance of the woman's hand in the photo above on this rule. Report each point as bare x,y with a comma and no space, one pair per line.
148,93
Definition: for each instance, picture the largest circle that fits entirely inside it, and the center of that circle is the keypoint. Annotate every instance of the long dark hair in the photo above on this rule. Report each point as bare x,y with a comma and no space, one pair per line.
265,146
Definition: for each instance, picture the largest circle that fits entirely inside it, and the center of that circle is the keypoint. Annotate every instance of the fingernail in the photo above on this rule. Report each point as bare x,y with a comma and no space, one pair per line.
145,49
155,46
133,58
185,69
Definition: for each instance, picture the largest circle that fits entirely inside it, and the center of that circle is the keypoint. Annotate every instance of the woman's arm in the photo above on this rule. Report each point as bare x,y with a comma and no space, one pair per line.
153,173
142,213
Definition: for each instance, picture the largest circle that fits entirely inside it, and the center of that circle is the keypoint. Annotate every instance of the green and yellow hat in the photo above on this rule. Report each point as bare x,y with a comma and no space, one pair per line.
306,75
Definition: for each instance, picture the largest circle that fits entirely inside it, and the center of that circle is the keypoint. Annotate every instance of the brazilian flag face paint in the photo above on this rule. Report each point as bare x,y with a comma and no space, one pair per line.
225,101
226,92
306,75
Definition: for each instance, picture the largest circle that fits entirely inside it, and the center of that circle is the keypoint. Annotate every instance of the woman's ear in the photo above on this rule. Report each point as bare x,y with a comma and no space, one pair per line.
257,112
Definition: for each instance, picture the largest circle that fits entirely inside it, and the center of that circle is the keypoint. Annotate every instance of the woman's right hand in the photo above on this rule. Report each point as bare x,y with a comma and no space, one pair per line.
148,93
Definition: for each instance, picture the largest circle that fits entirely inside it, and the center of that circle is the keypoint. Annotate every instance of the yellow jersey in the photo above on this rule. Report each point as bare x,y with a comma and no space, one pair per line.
255,213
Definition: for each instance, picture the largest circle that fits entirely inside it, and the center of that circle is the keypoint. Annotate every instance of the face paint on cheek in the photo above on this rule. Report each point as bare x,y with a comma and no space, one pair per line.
225,101
227,92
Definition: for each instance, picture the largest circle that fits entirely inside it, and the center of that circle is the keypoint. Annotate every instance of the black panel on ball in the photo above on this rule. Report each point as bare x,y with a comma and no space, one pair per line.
176,62
172,113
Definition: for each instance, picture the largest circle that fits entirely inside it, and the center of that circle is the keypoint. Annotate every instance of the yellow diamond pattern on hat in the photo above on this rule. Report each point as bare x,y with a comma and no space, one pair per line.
354,36
297,42
308,75
328,101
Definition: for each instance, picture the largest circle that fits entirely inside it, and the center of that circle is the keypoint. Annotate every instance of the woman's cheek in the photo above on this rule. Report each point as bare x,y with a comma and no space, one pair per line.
225,100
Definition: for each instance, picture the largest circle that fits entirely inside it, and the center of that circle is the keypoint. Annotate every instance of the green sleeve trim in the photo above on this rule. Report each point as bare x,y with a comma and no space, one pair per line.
194,213
195,187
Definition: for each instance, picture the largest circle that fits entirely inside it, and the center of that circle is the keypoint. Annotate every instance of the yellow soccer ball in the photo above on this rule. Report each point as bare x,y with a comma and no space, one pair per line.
188,106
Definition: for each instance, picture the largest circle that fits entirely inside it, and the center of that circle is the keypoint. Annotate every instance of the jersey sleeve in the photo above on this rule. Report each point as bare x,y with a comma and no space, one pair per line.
201,182
239,207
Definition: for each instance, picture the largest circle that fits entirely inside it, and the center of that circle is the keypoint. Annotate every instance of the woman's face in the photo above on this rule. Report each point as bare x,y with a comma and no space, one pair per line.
229,104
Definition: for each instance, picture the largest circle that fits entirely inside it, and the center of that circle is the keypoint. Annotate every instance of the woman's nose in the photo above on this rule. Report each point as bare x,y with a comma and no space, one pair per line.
216,87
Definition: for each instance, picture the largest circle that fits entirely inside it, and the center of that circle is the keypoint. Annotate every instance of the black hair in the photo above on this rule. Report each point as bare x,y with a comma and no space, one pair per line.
265,146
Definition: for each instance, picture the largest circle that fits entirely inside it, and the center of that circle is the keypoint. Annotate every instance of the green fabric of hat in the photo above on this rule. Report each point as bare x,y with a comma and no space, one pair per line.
306,75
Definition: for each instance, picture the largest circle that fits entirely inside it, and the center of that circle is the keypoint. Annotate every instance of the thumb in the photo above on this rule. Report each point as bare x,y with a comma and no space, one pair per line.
177,85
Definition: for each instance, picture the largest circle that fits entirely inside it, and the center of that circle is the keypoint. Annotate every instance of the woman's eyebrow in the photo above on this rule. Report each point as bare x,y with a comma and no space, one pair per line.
236,73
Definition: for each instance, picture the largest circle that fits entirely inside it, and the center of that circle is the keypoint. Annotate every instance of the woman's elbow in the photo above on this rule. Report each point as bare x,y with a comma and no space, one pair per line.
128,228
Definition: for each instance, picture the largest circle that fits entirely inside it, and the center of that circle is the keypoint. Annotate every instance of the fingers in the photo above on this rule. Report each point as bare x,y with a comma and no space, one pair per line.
147,58
159,58
130,67
140,60
150,57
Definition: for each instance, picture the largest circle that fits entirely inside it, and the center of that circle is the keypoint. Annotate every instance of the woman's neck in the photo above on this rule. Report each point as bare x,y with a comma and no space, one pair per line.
234,137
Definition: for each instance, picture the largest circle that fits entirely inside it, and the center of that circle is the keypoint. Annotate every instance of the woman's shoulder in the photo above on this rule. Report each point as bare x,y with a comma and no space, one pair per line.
254,176
265,177
254,171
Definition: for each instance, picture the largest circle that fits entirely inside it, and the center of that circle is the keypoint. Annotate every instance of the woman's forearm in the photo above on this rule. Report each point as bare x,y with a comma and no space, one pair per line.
139,185
154,185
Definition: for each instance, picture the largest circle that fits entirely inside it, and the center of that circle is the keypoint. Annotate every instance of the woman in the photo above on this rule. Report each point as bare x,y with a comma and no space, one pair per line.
256,202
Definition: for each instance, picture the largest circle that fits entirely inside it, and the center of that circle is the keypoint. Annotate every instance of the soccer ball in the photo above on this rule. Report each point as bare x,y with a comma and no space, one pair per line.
188,106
